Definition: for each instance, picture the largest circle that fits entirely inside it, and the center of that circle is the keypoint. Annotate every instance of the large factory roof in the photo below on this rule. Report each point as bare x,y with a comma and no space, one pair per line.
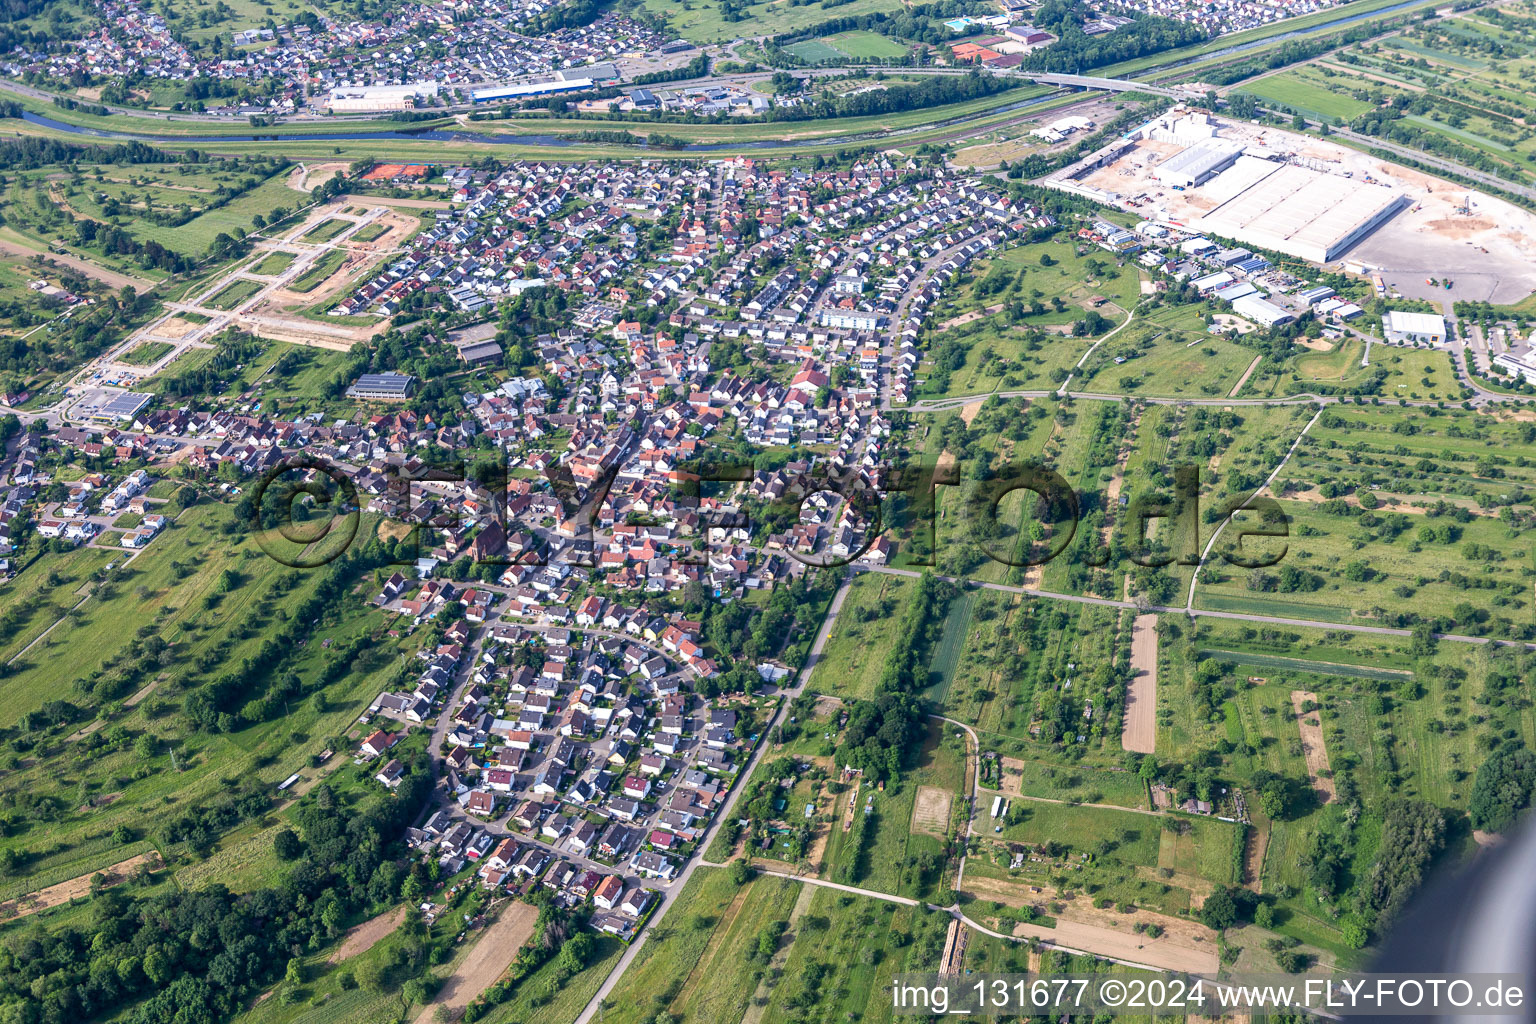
1302,212
1196,162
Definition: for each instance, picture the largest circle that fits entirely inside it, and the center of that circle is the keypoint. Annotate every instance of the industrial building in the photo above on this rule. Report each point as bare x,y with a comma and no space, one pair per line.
1195,164
1414,328
1519,361
1061,128
562,82
383,387
121,407
374,98
1261,311
1296,210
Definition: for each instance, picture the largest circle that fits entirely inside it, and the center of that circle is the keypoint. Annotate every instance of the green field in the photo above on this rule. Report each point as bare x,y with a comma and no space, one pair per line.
326,230
862,638
369,232
861,44
273,263
146,353
697,964
1300,90
1167,352
1006,323
1272,661
234,294
170,189
814,51
176,592
1077,782
318,271
946,653
1153,861
894,854
702,24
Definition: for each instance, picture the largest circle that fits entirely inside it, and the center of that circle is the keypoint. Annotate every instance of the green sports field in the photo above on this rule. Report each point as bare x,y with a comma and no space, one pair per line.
857,45
814,51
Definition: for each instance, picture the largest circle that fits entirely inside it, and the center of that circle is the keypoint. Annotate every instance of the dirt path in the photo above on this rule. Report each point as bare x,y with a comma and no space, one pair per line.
1244,378
305,177
973,315
54,895
493,953
363,937
1139,732
1183,946
1311,726
1167,952
111,278
1253,858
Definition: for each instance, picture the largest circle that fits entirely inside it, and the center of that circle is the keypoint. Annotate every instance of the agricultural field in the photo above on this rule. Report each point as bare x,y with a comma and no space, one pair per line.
1397,509
318,271
146,353
43,590
1007,324
1078,783
1012,673
116,703
273,263
234,294
1306,91
1167,353
862,637
704,24
997,433
368,232
544,998
326,230
180,206
1398,719
1155,861
294,378
1461,84
702,964
894,857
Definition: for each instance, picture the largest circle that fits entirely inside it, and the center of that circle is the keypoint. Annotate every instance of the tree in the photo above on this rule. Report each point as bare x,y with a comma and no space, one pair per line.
1264,916
742,872
294,974
287,844
1220,910
1502,788
1355,936
371,974
1272,799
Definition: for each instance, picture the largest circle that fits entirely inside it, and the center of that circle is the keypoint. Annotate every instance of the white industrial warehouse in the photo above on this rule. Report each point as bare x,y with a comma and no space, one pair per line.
374,98
1190,171
1299,211
1408,328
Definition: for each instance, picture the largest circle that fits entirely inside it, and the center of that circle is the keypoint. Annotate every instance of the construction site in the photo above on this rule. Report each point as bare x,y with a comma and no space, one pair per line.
1307,197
